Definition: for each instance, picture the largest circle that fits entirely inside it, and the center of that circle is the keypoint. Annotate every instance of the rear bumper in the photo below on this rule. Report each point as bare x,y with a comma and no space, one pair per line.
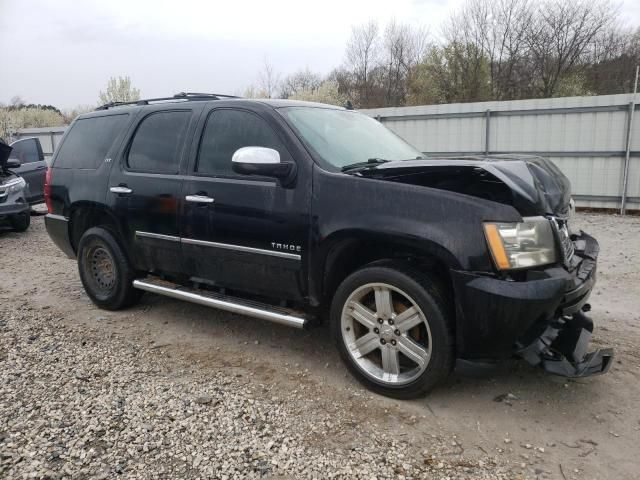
58,229
497,318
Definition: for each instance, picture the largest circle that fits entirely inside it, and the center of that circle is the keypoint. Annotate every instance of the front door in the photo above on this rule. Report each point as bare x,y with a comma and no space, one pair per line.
32,167
240,231
145,188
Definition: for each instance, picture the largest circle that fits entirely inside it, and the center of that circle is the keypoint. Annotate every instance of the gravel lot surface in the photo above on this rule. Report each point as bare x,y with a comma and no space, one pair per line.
173,390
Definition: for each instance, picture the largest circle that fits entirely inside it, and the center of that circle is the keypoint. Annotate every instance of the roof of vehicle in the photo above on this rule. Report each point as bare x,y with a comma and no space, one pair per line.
212,97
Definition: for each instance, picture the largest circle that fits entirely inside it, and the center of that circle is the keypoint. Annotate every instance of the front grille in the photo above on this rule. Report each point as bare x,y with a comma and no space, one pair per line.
566,244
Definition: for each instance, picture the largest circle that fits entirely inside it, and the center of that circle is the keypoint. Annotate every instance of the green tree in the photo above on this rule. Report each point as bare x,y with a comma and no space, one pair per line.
119,90
454,73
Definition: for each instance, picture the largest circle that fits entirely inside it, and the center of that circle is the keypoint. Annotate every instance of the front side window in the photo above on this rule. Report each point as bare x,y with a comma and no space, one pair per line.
343,137
26,151
225,132
158,142
87,143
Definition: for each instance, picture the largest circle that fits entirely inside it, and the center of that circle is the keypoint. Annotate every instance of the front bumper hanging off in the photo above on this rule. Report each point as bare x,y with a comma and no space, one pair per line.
541,318
562,349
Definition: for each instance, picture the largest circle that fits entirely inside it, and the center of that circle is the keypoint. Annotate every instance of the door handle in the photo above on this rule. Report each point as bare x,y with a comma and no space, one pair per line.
121,189
198,199
41,167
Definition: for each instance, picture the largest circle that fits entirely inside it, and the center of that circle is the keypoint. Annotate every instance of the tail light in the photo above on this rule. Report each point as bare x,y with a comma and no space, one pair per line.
47,190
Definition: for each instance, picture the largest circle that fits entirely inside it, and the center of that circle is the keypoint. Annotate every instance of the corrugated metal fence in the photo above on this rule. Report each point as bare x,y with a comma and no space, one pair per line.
585,136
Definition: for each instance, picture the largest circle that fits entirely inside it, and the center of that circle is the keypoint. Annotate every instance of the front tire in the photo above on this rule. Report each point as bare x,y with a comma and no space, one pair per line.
392,328
105,271
21,221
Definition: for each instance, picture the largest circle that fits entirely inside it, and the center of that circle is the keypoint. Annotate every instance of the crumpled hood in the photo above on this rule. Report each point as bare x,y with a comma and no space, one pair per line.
537,186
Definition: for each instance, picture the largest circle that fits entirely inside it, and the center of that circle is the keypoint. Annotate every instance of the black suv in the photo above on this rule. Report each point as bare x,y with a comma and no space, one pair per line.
296,212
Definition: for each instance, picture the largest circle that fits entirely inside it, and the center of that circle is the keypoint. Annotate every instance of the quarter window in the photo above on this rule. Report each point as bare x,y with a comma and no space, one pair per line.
158,142
89,140
225,132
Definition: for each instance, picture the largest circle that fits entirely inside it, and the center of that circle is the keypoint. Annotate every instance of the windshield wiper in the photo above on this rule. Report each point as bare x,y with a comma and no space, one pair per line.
372,162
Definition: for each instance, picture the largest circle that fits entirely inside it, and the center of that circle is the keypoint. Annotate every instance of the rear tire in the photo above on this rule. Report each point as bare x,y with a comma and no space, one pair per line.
21,221
393,329
105,271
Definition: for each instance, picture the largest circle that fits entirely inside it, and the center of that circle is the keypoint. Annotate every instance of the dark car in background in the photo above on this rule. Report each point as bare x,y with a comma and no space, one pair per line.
296,212
32,169
14,206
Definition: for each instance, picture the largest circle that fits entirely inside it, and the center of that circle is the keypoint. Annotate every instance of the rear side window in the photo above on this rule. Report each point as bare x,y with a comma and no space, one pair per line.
158,142
89,141
225,132
26,150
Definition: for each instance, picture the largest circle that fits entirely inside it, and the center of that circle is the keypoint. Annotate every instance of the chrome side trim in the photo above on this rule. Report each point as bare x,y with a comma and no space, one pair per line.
60,218
240,248
223,304
158,236
225,246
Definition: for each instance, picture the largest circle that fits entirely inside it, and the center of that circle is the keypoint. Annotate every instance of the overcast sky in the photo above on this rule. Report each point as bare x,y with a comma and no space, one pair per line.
62,52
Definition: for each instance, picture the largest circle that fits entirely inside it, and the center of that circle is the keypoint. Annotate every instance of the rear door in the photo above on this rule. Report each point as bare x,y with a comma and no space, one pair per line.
32,167
145,189
240,231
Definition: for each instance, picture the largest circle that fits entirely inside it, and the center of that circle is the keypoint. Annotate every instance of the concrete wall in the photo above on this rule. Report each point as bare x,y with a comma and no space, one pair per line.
585,136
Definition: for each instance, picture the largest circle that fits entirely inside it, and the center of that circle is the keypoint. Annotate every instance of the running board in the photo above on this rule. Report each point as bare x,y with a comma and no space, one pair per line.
283,316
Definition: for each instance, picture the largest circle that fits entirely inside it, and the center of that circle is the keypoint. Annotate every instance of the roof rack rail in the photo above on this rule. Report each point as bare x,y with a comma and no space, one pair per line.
178,96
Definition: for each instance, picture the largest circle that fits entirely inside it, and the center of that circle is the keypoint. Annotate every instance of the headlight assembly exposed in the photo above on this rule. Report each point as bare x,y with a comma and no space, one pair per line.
521,245
14,185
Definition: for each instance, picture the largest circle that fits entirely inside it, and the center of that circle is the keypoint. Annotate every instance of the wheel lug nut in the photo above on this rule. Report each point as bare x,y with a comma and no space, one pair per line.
380,321
393,342
391,321
383,341
376,330
397,332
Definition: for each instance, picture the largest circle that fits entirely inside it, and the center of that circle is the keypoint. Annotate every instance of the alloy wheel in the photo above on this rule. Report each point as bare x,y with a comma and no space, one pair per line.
386,333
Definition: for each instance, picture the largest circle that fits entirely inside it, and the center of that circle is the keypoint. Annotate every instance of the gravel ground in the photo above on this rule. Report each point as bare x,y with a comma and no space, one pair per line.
173,390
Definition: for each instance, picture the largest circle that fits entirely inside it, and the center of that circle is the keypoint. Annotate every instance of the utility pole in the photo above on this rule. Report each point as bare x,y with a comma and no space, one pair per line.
625,176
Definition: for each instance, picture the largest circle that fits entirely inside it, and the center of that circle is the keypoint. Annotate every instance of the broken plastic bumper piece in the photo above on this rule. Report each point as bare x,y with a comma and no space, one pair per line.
562,349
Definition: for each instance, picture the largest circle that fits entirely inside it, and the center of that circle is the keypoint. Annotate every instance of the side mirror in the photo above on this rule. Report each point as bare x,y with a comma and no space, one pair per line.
13,163
261,161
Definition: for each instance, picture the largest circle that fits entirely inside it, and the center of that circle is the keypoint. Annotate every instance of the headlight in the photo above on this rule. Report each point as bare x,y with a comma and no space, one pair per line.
15,185
520,245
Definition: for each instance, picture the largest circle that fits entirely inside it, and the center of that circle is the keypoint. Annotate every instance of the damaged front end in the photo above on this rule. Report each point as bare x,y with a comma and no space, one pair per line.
561,349
537,314
533,301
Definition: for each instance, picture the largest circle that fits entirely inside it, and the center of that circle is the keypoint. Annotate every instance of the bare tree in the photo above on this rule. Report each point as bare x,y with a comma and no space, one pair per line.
362,55
268,79
499,29
614,58
404,47
561,38
17,101
302,80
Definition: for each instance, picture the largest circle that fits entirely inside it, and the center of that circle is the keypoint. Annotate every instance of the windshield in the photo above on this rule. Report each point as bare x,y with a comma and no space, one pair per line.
343,137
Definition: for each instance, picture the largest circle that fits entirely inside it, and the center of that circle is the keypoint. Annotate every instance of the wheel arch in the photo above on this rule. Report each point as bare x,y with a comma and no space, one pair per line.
347,251
85,215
